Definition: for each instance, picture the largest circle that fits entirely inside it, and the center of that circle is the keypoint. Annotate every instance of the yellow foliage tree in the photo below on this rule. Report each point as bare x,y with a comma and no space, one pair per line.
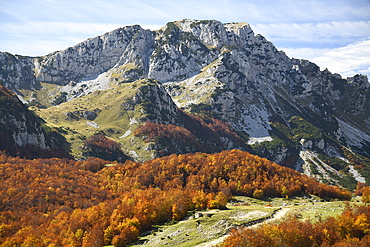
258,193
366,195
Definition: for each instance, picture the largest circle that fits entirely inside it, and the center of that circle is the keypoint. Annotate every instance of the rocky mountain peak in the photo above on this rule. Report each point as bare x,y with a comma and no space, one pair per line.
360,81
278,105
210,33
91,57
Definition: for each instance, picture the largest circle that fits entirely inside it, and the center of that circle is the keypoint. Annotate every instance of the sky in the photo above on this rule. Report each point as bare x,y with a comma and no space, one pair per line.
334,34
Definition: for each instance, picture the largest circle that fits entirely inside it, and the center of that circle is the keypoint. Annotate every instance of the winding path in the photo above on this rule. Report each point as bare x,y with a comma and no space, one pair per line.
278,215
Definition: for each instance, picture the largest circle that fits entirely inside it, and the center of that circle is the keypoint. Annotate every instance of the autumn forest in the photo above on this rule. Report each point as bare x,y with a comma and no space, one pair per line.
62,202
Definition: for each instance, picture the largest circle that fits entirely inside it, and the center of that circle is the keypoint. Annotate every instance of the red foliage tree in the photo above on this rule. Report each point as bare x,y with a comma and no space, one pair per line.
199,134
101,147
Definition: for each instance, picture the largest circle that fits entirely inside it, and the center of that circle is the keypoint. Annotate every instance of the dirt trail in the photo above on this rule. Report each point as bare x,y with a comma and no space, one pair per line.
278,215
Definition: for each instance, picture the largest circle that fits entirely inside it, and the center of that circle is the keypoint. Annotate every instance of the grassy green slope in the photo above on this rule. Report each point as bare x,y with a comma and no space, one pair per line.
113,118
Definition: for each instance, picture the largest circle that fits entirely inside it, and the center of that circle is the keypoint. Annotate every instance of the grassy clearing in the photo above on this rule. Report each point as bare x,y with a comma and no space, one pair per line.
210,225
216,223
43,96
315,211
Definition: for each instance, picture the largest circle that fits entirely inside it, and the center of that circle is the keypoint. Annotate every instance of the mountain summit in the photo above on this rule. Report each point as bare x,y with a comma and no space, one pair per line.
194,76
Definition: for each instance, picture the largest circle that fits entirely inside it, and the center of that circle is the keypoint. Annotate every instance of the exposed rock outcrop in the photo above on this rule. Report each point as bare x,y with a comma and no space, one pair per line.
24,134
212,69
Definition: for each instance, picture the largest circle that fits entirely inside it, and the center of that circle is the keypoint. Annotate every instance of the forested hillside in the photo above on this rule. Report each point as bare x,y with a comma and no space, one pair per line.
60,202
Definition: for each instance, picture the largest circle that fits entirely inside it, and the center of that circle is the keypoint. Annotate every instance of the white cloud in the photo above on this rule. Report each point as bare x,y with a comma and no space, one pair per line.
304,53
46,37
332,32
56,29
347,61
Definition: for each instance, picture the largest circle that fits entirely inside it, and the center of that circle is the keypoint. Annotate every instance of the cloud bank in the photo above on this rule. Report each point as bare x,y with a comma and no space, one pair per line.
41,38
347,61
335,32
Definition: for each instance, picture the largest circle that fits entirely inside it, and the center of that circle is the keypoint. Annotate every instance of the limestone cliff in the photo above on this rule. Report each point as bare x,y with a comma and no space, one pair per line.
24,134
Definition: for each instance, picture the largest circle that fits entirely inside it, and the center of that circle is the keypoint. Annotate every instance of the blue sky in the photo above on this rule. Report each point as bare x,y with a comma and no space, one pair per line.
335,34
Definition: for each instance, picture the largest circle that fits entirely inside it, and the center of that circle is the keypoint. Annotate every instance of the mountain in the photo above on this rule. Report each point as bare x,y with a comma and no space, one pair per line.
23,133
220,77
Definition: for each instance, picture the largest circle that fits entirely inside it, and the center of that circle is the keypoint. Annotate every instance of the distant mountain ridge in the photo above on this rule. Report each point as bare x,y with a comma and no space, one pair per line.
285,109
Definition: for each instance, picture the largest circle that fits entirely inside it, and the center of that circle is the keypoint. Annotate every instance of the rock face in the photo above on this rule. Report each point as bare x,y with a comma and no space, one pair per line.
23,134
95,56
280,106
17,72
